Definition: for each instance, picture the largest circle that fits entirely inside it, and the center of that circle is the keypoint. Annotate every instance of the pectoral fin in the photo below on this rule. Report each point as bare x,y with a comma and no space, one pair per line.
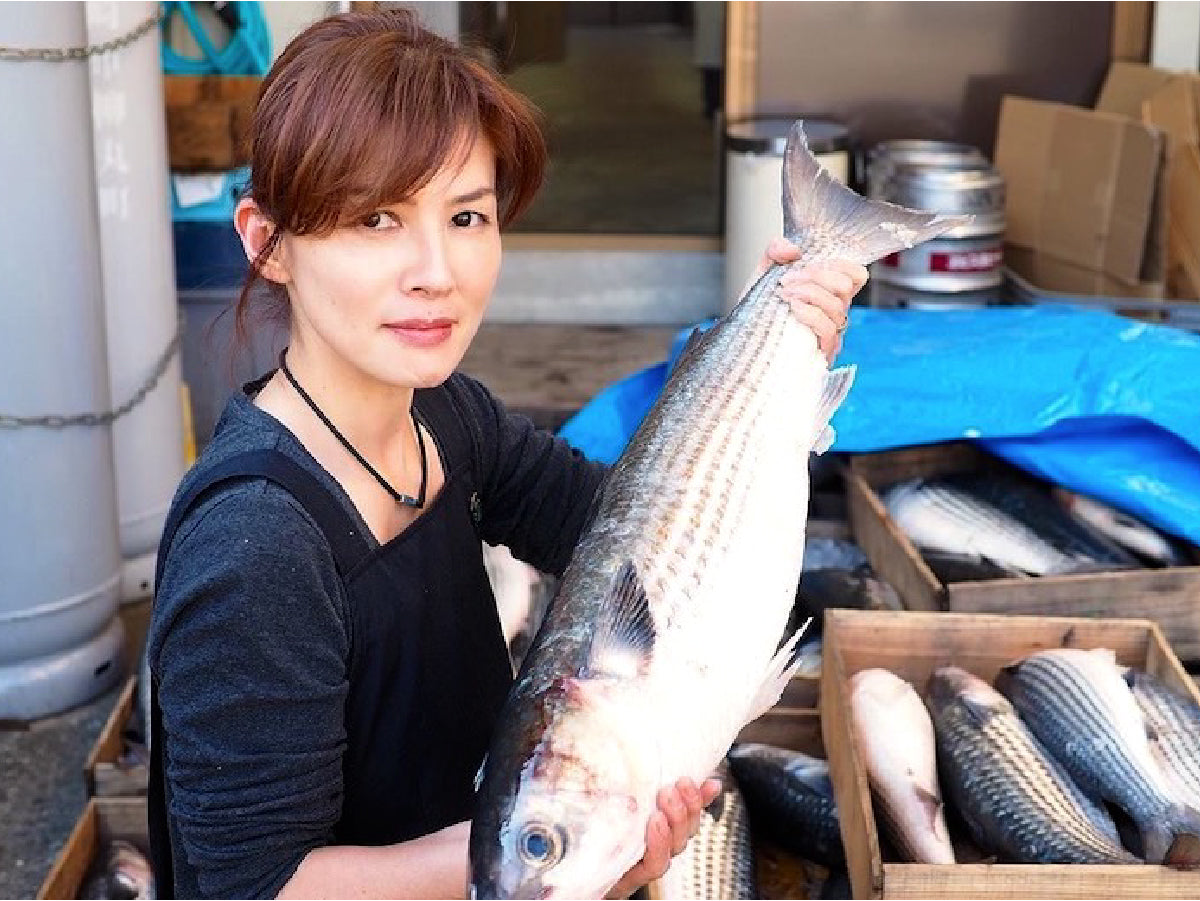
836,387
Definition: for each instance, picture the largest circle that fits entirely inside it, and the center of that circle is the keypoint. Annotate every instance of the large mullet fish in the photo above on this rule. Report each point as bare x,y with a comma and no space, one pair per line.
667,633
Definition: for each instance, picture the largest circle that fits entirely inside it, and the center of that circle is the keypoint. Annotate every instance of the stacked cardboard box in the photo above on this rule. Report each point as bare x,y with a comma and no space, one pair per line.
1085,205
1174,107
1106,201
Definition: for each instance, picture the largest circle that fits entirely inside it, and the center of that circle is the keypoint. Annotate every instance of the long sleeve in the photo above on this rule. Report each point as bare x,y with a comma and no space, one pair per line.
249,644
536,490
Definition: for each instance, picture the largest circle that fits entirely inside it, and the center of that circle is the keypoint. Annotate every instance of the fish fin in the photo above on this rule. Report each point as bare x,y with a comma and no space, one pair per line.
1173,837
717,808
781,668
479,772
836,387
829,220
692,344
932,804
623,641
979,713
1184,853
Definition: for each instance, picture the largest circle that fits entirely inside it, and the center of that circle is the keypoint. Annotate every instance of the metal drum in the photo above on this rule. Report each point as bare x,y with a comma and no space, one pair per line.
963,265
886,158
753,173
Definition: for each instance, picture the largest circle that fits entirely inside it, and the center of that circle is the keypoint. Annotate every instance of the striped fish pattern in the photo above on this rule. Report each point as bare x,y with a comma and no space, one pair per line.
1173,721
1018,802
667,633
719,860
943,518
1076,702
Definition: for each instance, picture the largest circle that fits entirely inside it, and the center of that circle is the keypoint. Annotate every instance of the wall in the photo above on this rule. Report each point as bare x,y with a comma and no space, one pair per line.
926,70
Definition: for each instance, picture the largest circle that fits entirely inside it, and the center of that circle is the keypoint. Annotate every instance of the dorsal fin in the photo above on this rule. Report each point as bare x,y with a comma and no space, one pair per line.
624,639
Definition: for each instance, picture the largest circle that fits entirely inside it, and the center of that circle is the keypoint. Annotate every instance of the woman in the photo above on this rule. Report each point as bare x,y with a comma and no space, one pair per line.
326,655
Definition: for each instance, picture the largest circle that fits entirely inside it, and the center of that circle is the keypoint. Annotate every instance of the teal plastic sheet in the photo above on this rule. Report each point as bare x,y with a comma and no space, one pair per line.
1093,401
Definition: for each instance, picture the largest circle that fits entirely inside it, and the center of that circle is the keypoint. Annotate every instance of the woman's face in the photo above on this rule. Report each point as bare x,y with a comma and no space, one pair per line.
400,294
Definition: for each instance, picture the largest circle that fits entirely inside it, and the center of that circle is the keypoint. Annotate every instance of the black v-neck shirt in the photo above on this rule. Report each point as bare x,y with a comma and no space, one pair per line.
302,706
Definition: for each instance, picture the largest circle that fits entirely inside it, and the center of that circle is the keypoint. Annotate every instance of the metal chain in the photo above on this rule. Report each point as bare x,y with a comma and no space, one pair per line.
61,421
57,55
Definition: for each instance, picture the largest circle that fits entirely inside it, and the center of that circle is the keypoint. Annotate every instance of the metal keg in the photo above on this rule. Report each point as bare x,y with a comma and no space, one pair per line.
963,265
887,157
967,258
753,169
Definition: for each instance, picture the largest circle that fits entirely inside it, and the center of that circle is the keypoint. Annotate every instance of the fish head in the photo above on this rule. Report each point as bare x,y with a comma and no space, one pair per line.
954,686
572,820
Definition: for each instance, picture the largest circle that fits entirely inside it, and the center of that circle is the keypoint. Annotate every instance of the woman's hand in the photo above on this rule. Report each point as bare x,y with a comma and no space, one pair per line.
676,820
819,295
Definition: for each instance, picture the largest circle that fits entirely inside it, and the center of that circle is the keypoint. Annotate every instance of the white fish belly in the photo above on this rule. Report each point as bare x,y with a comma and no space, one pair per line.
720,618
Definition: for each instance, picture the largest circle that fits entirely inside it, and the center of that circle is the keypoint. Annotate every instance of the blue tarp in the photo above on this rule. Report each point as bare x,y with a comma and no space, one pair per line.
1091,400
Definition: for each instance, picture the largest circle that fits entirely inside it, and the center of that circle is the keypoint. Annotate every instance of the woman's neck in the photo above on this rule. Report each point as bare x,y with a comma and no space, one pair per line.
372,415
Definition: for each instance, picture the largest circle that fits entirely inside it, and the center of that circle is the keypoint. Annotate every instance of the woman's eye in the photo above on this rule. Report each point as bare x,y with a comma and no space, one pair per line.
469,218
378,221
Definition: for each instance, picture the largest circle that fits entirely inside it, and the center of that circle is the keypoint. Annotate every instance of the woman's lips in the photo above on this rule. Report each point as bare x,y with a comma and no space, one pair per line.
421,332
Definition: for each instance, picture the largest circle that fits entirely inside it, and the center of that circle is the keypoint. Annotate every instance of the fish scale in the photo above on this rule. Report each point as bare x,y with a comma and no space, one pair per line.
1017,800
1078,705
1175,720
664,637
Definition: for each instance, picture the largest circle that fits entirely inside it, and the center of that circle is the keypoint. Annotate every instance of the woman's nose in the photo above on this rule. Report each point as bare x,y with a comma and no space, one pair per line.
430,272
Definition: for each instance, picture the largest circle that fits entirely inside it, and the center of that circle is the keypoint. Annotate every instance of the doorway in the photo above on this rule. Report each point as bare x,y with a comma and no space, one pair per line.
630,94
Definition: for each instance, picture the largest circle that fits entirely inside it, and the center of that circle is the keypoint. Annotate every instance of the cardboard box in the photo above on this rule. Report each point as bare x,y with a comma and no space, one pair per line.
1175,108
102,821
913,645
101,772
1169,597
1080,184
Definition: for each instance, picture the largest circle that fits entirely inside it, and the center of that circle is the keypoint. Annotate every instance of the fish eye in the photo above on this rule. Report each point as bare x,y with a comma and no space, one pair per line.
541,846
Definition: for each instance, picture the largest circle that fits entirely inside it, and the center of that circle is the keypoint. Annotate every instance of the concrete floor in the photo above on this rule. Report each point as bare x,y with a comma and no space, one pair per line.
42,791
630,149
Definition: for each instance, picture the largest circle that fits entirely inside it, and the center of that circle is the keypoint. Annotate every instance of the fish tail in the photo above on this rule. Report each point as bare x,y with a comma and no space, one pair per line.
1174,837
829,220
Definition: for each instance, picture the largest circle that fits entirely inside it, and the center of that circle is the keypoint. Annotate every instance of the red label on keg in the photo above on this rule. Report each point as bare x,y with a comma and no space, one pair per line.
892,259
966,261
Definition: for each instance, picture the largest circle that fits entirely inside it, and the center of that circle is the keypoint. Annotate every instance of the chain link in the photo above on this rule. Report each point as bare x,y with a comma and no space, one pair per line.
58,55
62,421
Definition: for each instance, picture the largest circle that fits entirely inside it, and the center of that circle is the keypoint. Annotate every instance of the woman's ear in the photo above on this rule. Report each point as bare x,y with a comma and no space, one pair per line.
255,229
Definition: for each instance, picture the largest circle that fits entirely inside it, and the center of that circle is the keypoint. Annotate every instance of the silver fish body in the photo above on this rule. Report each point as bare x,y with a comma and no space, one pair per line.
896,737
718,862
1077,704
791,802
667,632
1017,800
1173,721
943,518
1121,527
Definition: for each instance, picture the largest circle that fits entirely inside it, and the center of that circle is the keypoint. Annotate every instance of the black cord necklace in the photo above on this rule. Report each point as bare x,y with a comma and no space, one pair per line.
403,500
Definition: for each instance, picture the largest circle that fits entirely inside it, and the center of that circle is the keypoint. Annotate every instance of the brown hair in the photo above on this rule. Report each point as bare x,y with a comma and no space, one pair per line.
361,110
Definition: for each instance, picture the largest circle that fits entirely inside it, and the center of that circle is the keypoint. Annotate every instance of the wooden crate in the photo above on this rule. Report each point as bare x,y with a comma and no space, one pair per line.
103,776
913,645
208,120
1170,597
102,821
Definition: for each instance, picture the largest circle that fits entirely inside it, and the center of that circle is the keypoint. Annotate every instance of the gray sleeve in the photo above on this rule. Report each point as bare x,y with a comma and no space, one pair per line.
250,646
537,491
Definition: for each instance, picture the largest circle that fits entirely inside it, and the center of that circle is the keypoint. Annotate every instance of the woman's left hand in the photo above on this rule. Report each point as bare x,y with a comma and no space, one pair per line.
680,808
819,295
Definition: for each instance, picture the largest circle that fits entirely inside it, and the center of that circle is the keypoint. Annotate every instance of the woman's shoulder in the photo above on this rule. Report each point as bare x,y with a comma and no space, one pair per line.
217,506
